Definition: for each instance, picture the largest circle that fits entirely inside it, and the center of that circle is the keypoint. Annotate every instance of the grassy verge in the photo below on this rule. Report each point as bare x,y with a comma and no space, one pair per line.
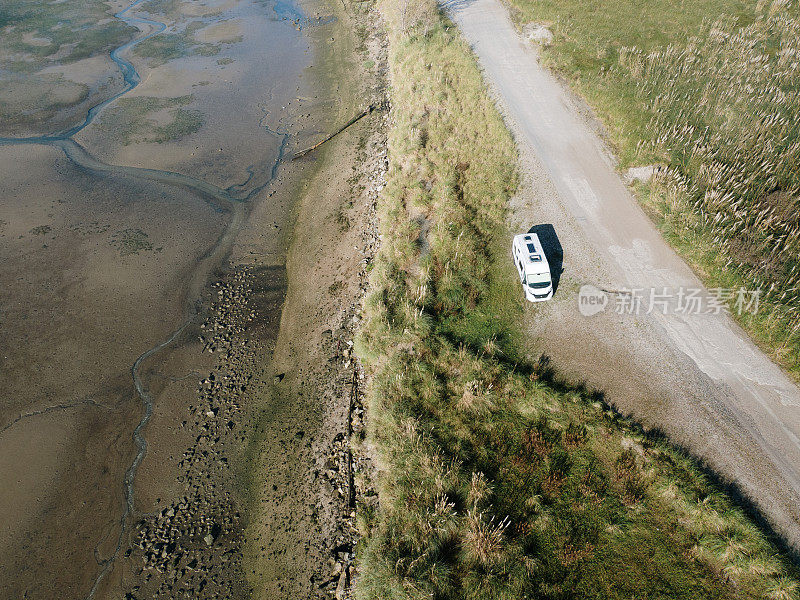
719,110
494,483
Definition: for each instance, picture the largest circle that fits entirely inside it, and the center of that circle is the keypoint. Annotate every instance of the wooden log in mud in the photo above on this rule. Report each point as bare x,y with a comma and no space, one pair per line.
352,121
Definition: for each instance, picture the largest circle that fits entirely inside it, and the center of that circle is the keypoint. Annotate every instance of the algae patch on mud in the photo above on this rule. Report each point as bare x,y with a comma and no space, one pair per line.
36,97
34,34
37,38
132,241
151,119
199,37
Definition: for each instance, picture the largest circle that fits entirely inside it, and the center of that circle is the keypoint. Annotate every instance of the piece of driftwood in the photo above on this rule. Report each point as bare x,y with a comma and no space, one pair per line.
352,121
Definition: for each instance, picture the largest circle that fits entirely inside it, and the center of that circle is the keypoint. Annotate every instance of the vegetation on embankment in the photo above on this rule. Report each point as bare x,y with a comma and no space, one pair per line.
493,481
712,92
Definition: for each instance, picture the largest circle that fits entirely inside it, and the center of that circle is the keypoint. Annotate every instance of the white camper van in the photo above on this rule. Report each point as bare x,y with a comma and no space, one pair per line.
534,271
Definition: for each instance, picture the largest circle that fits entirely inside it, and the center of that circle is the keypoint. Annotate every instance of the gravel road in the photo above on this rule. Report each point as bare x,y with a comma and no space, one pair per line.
692,373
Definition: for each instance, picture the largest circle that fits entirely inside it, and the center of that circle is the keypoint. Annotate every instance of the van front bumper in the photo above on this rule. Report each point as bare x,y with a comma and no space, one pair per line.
539,297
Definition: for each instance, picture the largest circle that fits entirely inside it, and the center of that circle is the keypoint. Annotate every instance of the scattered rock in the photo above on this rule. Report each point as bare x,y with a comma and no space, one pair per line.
194,544
642,174
538,34
341,587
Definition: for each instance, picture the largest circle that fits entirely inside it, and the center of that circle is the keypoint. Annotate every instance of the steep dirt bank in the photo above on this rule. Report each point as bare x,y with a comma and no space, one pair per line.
304,471
266,428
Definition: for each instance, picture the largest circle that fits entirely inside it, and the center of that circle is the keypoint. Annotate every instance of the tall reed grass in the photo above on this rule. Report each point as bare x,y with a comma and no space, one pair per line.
708,89
725,119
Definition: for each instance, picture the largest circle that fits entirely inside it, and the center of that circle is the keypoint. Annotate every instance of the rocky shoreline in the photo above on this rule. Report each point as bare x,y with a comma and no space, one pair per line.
309,552
193,546
348,468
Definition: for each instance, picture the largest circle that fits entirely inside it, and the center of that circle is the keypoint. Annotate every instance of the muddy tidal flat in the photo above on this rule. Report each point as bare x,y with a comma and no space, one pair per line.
137,142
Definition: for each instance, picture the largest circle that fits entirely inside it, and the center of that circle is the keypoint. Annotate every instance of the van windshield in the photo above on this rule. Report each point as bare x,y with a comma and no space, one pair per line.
536,281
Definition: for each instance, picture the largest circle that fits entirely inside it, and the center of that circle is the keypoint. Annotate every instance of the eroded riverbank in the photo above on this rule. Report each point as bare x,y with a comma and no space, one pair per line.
309,467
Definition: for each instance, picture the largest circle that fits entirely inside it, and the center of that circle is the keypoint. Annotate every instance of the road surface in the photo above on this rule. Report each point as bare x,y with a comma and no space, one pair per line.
693,373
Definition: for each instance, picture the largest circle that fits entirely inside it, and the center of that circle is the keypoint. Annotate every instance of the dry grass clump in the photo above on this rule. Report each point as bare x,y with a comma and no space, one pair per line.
492,483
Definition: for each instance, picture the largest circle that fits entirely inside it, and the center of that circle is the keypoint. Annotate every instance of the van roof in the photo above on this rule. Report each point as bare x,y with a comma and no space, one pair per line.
532,251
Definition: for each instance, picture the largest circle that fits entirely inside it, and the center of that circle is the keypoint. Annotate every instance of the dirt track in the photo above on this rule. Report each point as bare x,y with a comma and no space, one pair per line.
697,376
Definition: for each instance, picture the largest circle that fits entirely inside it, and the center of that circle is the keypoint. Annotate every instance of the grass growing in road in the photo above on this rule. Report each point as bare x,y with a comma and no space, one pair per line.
493,481
711,93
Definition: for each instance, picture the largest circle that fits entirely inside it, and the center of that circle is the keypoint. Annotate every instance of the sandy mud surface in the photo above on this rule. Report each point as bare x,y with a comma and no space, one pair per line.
309,465
141,415
95,278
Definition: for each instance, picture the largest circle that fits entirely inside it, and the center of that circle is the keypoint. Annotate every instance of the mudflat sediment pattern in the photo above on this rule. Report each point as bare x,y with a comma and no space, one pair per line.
74,324
122,372
193,546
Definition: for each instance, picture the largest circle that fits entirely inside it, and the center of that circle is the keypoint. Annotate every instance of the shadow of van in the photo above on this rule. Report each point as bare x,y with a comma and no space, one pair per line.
552,250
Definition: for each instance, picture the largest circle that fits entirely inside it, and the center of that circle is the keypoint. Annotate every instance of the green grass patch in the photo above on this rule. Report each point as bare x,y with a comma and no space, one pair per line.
588,37
711,93
494,482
